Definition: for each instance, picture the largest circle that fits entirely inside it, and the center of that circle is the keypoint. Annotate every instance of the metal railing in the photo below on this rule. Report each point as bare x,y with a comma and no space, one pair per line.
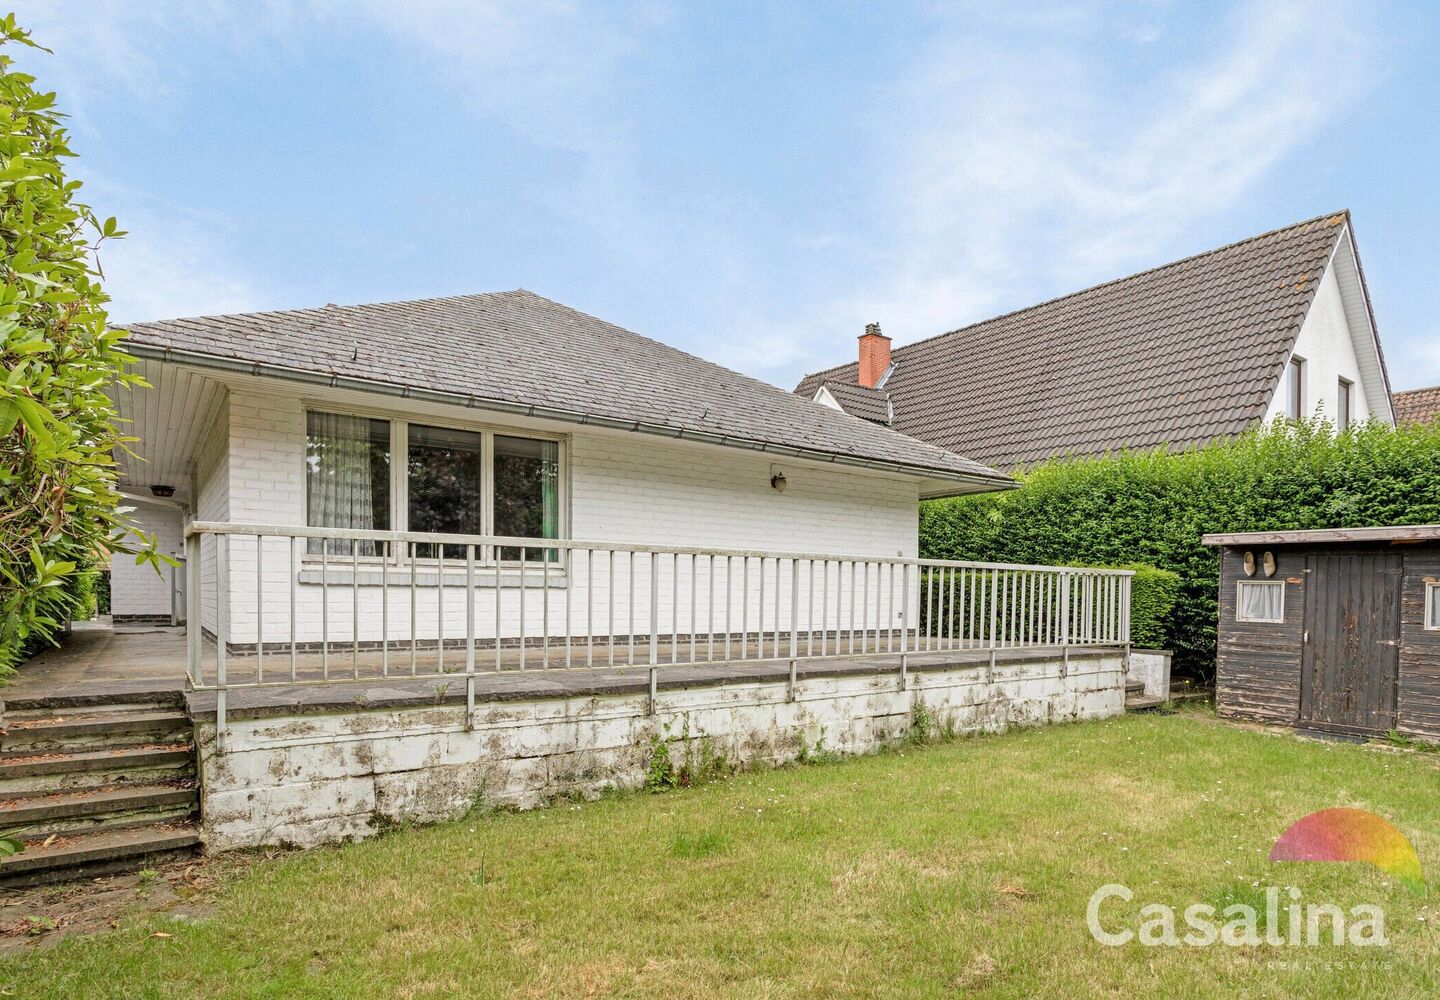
292,606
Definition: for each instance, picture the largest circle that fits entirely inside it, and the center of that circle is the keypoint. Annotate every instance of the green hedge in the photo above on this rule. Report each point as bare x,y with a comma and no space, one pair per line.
1153,594
1152,507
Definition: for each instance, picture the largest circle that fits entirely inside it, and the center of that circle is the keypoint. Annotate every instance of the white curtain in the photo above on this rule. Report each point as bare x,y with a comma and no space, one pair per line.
340,492
1261,602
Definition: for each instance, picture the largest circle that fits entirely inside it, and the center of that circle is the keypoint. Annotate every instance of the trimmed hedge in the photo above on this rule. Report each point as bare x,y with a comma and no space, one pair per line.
1152,507
1153,593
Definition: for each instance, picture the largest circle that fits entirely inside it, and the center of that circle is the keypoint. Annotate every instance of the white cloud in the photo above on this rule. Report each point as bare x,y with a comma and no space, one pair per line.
172,264
1017,163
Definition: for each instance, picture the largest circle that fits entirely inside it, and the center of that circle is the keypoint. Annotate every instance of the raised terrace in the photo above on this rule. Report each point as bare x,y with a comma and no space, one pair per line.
305,724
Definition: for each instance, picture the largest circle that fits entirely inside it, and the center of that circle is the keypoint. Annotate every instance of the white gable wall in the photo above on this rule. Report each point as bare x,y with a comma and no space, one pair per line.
1337,340
621,487
1328,347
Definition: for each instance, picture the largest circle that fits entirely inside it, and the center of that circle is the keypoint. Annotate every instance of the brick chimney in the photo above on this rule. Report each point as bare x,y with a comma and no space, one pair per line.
874,355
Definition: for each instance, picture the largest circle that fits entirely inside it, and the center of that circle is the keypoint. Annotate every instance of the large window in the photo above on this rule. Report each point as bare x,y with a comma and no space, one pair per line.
347,477
444,476
527,491
363,472
1258,601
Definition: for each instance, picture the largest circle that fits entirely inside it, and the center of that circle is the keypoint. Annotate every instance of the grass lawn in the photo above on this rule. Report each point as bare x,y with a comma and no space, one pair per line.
956,867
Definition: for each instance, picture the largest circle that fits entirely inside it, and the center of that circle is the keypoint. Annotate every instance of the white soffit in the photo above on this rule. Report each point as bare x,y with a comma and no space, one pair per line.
169,418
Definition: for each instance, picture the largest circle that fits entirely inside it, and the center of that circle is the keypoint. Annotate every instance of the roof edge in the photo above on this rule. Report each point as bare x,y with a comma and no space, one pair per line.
1344,214
1382,533
981,483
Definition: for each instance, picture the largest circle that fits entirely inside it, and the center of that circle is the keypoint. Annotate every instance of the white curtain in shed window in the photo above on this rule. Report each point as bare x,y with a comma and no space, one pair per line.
1260,602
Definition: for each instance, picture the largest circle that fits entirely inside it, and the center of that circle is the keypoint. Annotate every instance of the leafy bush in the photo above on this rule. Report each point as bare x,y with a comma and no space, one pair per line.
1153,593
1152,508
59,510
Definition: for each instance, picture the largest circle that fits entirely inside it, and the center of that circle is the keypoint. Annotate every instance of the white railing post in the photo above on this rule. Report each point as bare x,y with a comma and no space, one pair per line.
470,637
1064,610
194,614
222,633
905,623
794,619
654,625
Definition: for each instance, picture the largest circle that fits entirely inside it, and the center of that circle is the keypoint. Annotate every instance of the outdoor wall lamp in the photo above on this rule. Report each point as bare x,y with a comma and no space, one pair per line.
777,480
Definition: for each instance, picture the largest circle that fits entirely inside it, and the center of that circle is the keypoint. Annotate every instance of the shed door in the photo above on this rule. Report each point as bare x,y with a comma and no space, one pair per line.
1352,651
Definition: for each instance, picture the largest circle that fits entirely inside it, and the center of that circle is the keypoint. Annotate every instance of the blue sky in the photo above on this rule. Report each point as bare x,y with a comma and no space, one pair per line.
752,182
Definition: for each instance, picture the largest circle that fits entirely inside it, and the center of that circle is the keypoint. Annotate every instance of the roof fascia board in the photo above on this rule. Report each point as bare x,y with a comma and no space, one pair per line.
976,483
1349,255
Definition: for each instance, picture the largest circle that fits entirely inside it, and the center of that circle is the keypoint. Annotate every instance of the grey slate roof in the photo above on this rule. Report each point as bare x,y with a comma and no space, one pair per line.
858,400
1417,406
1179,355
520,352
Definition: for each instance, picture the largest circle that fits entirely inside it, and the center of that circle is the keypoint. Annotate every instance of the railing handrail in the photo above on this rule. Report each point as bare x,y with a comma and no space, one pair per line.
513,542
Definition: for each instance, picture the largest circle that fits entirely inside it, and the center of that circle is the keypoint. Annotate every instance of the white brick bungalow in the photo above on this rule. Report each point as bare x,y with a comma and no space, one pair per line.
501,414
488,547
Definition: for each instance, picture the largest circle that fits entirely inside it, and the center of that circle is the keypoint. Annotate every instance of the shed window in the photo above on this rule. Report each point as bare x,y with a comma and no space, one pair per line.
1258,601
1432,606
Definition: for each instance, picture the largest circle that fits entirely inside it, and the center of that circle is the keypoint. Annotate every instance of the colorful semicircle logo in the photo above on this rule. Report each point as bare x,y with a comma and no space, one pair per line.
1351,835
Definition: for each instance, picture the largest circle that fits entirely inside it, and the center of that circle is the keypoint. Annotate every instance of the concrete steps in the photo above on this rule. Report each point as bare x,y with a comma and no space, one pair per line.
88,809
93,728
76,856
1136,700
95,785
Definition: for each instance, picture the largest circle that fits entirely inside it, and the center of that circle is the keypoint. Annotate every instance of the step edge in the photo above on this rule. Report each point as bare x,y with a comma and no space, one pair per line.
79,853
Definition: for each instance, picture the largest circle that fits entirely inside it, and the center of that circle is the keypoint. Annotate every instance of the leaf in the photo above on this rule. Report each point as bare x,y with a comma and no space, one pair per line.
11,845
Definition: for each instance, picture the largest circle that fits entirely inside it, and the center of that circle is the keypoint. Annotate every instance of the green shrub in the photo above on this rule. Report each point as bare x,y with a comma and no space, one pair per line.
1152,507
59,510
1153,593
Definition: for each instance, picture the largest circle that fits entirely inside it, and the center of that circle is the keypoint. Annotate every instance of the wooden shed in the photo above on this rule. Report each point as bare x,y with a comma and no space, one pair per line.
1335,630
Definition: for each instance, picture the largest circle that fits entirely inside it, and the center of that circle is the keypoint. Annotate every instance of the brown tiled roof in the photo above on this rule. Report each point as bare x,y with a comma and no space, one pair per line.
1417,406
861,401
1179,355
519,352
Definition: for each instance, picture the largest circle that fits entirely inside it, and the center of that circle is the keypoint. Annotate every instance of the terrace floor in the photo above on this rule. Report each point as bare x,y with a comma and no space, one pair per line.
99,658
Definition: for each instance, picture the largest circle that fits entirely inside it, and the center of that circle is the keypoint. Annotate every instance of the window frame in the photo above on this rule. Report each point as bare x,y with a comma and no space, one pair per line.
1345,404
1295,388
1430,610
1240,586
399,485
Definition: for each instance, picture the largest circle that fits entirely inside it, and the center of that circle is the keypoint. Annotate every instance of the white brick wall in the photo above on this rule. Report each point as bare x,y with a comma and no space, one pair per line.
139,590
622,488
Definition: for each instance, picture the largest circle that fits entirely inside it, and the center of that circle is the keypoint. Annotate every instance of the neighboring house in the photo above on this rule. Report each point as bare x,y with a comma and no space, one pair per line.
1274,326
498,414
1417,406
